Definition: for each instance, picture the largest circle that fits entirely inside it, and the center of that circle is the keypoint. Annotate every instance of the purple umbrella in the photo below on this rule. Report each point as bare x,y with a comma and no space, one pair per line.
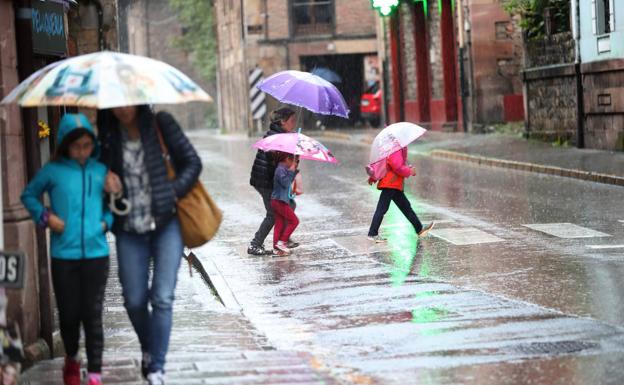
306,90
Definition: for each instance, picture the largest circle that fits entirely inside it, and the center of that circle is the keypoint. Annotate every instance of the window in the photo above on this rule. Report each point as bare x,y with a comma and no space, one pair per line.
503,30
603,16
312,17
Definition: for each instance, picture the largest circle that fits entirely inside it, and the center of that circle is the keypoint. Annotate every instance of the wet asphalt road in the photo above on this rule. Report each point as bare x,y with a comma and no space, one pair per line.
499,293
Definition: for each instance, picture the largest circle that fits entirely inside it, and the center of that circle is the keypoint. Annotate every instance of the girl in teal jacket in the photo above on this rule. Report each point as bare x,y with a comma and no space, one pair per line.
78,219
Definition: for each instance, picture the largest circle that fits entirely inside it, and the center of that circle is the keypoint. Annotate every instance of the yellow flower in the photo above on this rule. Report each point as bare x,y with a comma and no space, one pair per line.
44,130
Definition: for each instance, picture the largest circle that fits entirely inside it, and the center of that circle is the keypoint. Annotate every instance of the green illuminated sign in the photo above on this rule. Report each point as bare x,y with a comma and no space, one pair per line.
385,7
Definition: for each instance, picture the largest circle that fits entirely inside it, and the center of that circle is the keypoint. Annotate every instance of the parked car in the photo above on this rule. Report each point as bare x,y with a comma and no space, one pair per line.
370,104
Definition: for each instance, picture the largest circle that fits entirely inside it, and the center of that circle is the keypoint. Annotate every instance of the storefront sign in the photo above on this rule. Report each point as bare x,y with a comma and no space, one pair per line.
48,28
12,266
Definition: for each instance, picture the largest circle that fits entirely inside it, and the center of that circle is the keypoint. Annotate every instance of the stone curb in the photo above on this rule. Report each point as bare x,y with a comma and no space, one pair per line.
531,167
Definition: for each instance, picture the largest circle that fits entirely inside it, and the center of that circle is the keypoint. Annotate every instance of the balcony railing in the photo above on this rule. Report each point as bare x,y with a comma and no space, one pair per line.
312,17
549,50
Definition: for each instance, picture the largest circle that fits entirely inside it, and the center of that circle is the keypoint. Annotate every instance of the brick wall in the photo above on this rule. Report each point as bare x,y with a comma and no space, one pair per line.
279,27
354,17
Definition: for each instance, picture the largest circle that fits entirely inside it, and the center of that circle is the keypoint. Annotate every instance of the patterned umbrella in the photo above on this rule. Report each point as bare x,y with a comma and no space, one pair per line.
297,144
105,80
306,90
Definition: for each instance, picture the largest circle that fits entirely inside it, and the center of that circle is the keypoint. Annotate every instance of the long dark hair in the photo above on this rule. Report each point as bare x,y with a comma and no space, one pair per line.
108,126
62,151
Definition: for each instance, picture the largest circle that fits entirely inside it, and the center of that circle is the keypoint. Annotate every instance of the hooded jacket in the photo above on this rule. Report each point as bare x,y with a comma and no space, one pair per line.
76,195
263,168
397,171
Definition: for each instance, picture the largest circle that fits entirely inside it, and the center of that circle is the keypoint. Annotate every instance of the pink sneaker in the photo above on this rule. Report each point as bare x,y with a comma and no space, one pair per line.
94,379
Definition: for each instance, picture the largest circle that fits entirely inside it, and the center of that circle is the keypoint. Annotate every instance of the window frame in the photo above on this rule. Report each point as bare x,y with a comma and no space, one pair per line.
293,25
598,16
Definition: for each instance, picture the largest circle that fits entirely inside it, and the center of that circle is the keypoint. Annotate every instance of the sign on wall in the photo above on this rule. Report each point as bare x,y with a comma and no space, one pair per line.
48,28
12,266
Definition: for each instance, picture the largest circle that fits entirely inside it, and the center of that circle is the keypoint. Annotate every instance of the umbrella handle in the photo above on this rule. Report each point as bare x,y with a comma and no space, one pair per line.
113,207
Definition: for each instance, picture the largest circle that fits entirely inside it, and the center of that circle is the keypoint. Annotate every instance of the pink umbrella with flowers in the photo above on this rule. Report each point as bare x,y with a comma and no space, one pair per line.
297,144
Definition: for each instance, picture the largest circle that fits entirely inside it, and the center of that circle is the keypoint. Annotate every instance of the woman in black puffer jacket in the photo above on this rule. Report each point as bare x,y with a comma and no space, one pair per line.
262,172
150,231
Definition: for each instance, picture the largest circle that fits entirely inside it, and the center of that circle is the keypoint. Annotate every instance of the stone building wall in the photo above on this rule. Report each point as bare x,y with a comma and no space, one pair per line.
435,51
268,44
19,230
233,71
603,95
152,31
550,86
551,96
408,53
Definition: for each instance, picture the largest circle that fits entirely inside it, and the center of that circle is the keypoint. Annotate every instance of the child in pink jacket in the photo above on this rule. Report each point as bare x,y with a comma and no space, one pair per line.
391,186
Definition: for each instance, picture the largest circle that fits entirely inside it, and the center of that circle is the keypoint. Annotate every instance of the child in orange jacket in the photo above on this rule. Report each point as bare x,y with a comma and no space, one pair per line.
391,186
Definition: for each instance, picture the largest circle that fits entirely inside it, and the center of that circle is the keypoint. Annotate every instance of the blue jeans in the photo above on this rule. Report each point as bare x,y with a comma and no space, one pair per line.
134,253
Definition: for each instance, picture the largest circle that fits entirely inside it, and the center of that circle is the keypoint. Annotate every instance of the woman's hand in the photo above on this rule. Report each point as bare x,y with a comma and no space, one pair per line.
56,224
112,184
104,227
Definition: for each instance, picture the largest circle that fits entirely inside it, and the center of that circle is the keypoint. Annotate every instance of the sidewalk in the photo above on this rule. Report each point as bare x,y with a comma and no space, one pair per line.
509,152
209,345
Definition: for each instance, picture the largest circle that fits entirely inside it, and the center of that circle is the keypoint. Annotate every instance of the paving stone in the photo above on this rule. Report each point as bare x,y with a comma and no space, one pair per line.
209,345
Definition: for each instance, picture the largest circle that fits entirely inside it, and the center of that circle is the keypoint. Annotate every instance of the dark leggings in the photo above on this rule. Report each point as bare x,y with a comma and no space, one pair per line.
398,197
79,288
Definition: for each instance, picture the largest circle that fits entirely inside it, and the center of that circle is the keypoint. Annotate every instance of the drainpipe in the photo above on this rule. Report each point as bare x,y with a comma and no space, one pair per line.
580,105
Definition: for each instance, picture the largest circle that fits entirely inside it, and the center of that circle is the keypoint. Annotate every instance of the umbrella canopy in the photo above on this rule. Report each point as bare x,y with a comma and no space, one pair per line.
297,144
306,90
105,80
393,138
327,74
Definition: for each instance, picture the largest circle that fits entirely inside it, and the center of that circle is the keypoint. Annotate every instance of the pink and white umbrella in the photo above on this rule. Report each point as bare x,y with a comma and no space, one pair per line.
297,144
393,138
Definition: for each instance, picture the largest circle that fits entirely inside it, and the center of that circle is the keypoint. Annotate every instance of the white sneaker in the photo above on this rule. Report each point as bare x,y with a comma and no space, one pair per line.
156,378
426,229
377,239
282,247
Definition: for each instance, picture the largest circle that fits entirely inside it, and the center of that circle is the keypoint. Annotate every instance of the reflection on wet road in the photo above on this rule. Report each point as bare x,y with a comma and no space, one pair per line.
498,294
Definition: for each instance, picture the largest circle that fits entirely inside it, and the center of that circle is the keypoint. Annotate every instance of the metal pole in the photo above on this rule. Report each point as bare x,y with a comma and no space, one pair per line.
580,105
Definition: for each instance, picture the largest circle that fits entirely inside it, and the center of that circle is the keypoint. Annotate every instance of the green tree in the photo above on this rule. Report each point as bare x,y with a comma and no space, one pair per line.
199,36
533,14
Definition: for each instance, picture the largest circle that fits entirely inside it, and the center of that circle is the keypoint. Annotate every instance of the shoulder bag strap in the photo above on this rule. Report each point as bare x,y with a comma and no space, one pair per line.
165,151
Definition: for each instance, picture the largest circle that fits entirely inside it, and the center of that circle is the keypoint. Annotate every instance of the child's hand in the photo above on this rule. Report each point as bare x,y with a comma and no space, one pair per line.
370,181
104,227
413,170
112,183
56,224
